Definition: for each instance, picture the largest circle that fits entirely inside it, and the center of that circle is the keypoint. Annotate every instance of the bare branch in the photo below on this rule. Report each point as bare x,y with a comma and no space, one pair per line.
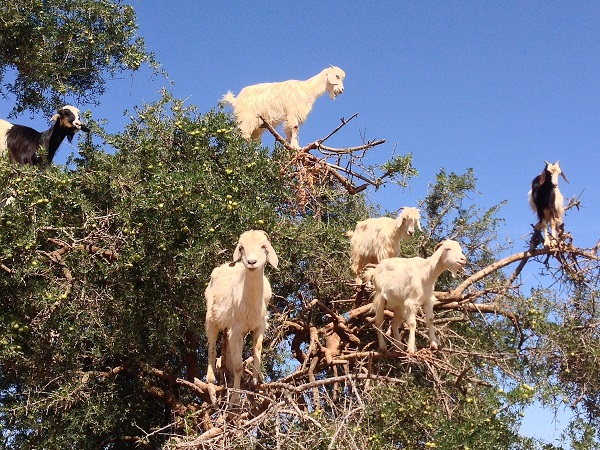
458,291
322,165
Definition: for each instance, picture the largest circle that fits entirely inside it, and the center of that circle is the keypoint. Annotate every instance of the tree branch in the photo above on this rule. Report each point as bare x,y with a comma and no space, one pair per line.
462,287
323,165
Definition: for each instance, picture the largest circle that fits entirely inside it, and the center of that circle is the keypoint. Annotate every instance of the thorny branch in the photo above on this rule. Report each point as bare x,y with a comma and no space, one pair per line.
308,167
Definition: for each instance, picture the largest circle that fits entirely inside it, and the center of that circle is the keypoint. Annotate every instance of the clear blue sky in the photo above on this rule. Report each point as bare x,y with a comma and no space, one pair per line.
495,86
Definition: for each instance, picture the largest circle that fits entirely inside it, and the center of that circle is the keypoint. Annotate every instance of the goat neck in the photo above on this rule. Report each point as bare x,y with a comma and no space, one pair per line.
434,269
317,85
253,280
253,292
400,227
53,137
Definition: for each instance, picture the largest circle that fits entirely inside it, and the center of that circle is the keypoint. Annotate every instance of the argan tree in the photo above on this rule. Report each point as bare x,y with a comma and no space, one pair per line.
103,265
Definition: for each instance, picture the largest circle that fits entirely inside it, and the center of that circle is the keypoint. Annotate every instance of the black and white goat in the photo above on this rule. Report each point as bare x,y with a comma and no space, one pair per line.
546,199
22,143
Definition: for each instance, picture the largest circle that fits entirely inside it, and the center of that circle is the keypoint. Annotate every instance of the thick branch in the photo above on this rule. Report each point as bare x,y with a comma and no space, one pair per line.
456,292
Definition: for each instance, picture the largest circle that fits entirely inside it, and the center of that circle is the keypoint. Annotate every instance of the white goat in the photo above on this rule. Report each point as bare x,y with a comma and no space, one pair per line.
546,199
236,300
404,284
286,101
22,143
378,238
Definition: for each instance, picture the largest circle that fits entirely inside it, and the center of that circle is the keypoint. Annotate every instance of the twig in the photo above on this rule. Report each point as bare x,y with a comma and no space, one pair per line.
344,122
347,150
328,168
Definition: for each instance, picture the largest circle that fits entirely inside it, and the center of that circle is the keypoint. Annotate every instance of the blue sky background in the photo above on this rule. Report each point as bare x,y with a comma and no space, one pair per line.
494,86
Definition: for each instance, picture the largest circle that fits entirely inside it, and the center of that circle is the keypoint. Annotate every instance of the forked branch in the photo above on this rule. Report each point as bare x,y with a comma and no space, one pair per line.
343,175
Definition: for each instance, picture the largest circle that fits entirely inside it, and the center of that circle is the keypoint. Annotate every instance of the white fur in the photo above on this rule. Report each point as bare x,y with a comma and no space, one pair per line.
4,127
378,238
287,102
236,300
405,284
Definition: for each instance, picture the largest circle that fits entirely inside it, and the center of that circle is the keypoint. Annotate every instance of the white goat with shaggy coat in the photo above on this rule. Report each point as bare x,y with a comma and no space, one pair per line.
236,301
378,238
405,284
287,102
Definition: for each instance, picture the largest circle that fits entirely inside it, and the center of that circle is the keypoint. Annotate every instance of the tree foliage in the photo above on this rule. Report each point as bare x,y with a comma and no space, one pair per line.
103,267
50,50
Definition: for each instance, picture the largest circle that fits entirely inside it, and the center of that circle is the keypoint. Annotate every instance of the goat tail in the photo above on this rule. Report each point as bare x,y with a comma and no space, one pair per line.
228,98
368,273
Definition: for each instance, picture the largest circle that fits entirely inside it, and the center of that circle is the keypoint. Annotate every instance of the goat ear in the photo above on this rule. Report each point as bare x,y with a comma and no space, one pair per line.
237,254
271,255
562,174
543,176
437,246
419,225
55,117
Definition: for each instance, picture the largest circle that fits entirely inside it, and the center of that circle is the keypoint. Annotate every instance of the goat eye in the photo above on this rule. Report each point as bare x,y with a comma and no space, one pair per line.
337,76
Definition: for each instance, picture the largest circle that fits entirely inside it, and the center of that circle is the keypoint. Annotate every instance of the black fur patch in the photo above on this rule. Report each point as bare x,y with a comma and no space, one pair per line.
542,194
23,143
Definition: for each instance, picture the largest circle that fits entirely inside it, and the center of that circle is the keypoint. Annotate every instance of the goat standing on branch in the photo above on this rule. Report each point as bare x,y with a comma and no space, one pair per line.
287,102
405,284
378,238
22,143
546,199
236,301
